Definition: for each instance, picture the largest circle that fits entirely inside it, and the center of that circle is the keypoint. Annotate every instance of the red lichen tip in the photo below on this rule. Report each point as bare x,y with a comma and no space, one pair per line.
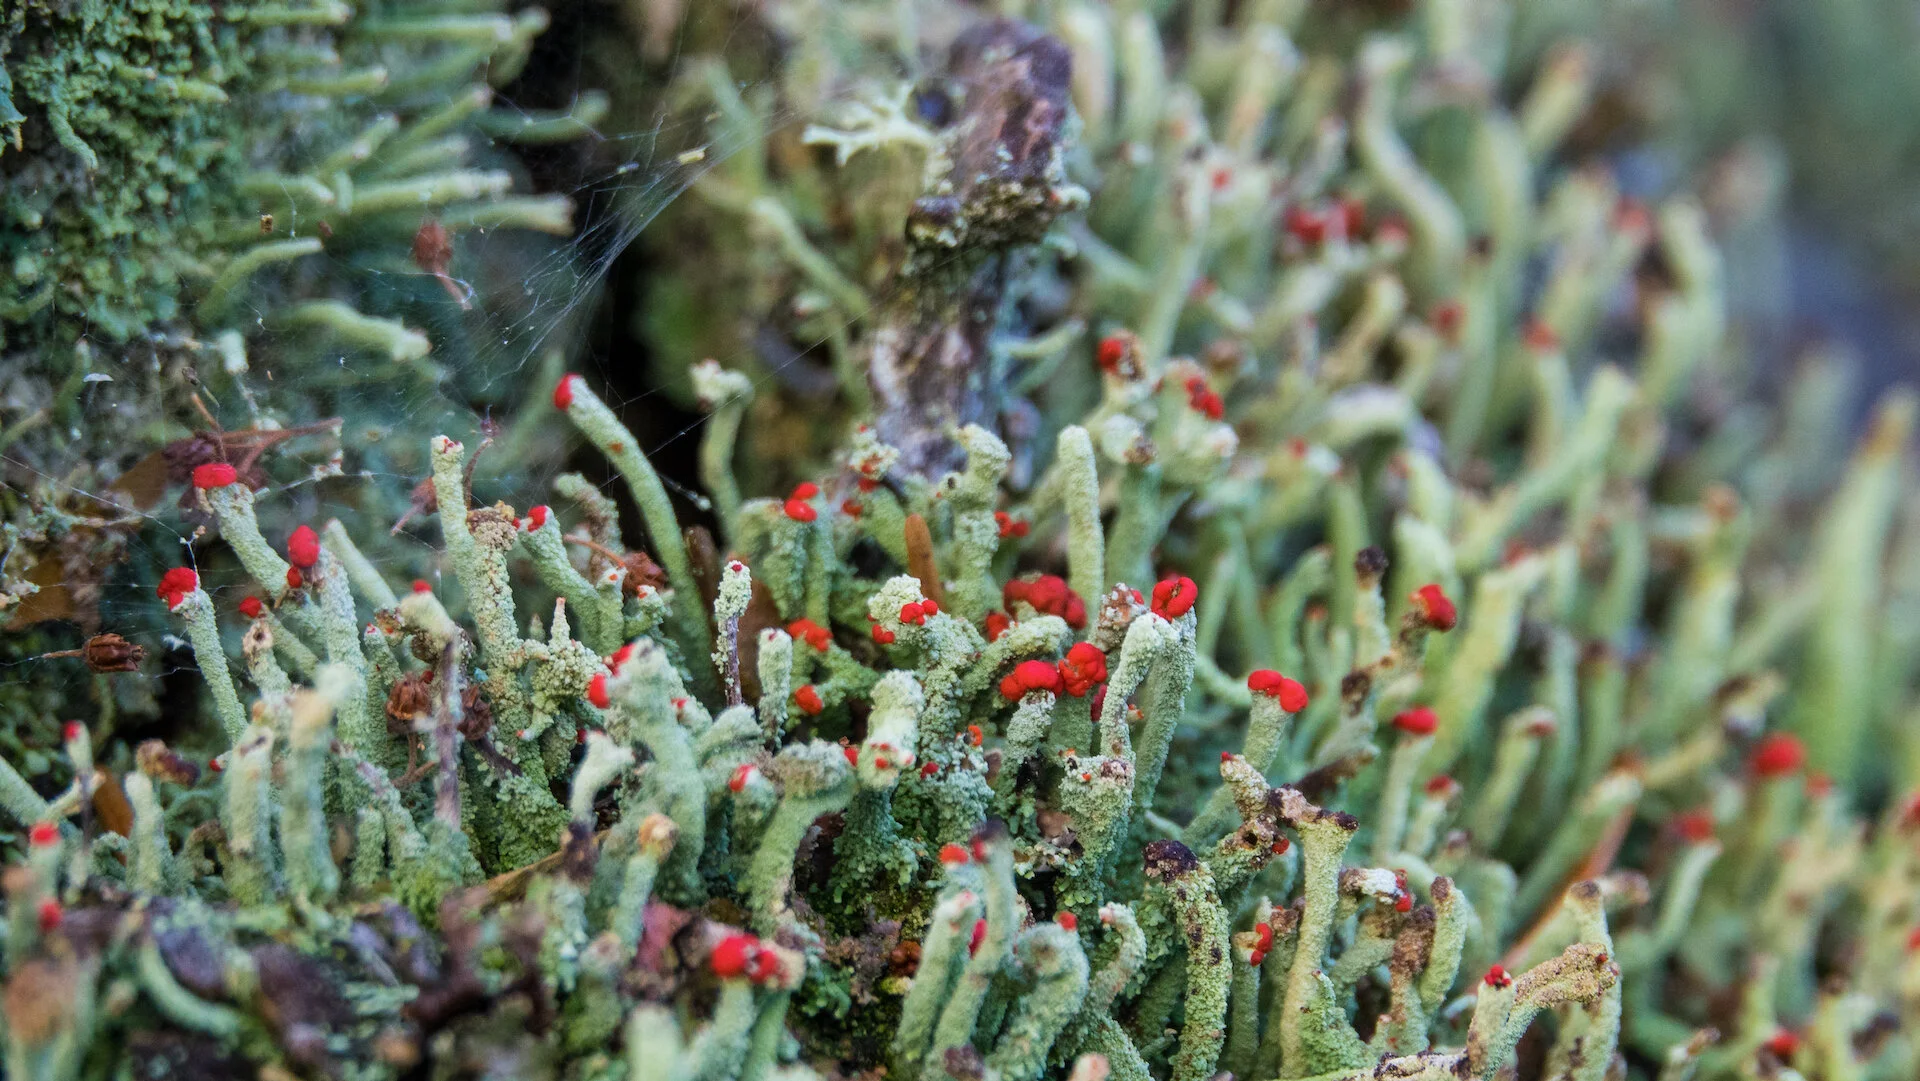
71,731
1202,399
1049,595
1030,676
996,624
733,956
742,774
1540,337
1112,352
913,612
1497,977
813,634
1262,944
808,700
1777,755
978,936
43,835
1010,526
537,517
800,510
1067,920
1436,608
1263,937
619,657
1292,696
1174,597
929,607
1783,1043
251,607
421,585
1441,786
806,489
597,691
852,754
1306,226
563,391
954,854
1083,667
214,475
929,769
50,915
176,584
975,736
881,635
1418,721
1694,827
303,547
294,578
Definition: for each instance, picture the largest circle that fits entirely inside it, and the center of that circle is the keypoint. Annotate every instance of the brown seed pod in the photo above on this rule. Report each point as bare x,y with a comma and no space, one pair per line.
112,653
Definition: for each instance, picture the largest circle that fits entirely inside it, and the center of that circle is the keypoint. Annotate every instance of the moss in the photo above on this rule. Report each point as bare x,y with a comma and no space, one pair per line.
119,166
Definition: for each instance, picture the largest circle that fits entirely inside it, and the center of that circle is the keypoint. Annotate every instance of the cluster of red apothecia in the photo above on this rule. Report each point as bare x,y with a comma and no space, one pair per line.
1075,674
303,551
742,955
1436,608
1263,942
813,634
1203,399
915,613
1047,594
1290,692
798,505
176,584
807,699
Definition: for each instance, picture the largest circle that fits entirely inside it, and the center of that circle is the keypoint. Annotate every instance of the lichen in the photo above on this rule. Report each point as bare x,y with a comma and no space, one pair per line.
1305,634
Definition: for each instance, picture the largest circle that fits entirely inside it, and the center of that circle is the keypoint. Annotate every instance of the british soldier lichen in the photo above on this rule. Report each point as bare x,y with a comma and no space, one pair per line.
1331,667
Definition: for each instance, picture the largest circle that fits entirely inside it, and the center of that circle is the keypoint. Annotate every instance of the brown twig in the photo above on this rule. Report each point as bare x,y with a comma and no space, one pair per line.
595,546
920,562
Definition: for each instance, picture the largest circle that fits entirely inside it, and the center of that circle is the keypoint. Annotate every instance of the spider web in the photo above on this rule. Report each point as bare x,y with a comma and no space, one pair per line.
489,365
